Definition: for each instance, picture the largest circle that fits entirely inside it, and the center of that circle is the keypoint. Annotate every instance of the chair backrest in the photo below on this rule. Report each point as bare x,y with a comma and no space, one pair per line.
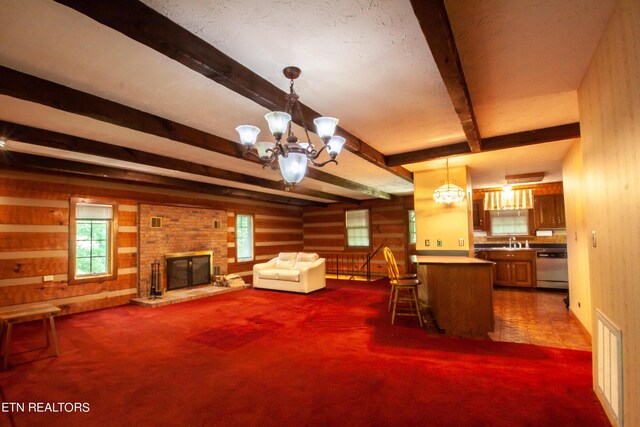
392,267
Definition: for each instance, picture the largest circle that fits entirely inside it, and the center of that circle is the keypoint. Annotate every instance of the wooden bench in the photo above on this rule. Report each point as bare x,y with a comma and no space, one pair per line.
24,313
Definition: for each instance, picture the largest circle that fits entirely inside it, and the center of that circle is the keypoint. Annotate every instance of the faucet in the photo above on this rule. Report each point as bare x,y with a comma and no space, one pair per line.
514,242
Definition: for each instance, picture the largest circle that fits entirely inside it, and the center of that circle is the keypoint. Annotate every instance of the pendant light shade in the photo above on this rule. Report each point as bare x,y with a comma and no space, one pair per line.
448,192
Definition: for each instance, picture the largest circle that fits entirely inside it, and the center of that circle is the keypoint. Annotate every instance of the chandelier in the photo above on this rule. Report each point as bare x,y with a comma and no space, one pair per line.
291,156
448,192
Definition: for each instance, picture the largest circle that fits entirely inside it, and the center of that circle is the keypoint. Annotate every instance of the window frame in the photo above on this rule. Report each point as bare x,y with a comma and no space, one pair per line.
491,222
112,251
415,229
253,237
346,230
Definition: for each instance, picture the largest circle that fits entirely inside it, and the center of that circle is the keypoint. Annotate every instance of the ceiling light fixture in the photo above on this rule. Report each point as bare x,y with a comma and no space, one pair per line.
448,192
3,142
292,156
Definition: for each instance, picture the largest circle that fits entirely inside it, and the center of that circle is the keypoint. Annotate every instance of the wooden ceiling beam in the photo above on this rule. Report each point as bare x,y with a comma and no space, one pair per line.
139,22
434,21
33,163
531,137
428,154
49,139
29,88
519,139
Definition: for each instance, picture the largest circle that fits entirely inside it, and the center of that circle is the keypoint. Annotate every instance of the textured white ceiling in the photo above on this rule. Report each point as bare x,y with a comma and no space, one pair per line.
524,60
488,169
363,61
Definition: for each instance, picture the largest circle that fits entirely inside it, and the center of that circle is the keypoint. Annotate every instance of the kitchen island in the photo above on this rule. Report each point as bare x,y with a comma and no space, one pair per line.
459,293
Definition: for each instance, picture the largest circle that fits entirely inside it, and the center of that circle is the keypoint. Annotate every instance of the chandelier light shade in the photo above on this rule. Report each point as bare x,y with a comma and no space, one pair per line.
263,148
448,192
248,135
335,145
291,155
294,166
278,123
325,126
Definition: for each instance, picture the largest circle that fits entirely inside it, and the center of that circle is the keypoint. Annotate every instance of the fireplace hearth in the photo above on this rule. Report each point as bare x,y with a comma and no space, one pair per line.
185,270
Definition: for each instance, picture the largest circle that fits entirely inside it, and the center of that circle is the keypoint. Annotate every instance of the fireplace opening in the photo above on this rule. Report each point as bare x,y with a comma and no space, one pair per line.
188,269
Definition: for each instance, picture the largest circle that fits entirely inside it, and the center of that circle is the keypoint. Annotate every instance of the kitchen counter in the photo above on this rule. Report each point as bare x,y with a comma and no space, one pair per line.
459,293
427,259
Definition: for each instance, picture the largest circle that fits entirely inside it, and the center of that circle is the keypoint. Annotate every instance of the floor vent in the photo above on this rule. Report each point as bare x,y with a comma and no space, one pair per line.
609,355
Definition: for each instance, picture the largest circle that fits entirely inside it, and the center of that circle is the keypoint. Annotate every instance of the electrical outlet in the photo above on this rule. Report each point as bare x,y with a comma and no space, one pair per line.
439,242
47,279
461,241
427,242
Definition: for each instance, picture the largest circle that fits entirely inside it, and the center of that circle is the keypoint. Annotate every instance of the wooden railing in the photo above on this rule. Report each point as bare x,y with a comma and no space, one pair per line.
349,264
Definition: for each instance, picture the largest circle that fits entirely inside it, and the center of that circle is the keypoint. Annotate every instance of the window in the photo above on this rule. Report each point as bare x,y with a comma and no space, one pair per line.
510,222
244,237
357,223
92,240
412,227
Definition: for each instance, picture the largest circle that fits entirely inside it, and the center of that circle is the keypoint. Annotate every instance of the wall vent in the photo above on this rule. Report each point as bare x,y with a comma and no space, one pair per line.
156,222
609,355
217,223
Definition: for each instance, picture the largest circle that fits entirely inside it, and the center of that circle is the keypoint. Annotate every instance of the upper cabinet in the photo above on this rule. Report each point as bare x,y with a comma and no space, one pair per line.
548,211
478,215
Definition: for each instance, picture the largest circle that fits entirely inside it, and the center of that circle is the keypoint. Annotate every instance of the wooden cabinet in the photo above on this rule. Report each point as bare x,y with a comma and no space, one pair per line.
548,211
513,268
478,215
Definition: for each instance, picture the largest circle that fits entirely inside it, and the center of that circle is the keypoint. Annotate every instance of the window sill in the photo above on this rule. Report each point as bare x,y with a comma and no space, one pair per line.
92,279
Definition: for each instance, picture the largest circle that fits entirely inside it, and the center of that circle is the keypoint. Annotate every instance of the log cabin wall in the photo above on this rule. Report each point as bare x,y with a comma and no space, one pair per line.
325,230
34,236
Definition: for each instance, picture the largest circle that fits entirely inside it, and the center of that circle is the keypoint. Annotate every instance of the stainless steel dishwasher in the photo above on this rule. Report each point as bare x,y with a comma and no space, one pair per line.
552,270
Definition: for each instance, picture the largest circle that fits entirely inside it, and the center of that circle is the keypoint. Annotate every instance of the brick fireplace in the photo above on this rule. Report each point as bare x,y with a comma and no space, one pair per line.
170,230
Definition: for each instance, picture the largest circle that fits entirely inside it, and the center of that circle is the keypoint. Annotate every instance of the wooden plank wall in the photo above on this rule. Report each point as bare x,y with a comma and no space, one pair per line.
34,236
609,102
324,230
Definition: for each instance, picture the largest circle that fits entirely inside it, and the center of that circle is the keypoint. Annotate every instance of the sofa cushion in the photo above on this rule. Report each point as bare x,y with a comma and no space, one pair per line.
306,257
286,260
287,275
301,265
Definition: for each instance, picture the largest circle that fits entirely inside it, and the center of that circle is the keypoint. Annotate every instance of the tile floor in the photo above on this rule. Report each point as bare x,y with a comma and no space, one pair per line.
537,317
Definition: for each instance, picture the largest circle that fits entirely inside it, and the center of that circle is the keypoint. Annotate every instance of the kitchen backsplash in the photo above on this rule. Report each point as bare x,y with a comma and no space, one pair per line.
559,236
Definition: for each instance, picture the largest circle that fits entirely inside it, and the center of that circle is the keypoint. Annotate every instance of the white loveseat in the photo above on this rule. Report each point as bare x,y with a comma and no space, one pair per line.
291,271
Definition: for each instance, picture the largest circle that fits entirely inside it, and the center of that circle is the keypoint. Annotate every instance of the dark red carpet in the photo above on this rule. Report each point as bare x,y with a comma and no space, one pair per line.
268,358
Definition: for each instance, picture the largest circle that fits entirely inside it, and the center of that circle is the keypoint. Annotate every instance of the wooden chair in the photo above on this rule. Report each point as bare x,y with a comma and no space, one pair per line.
407,284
